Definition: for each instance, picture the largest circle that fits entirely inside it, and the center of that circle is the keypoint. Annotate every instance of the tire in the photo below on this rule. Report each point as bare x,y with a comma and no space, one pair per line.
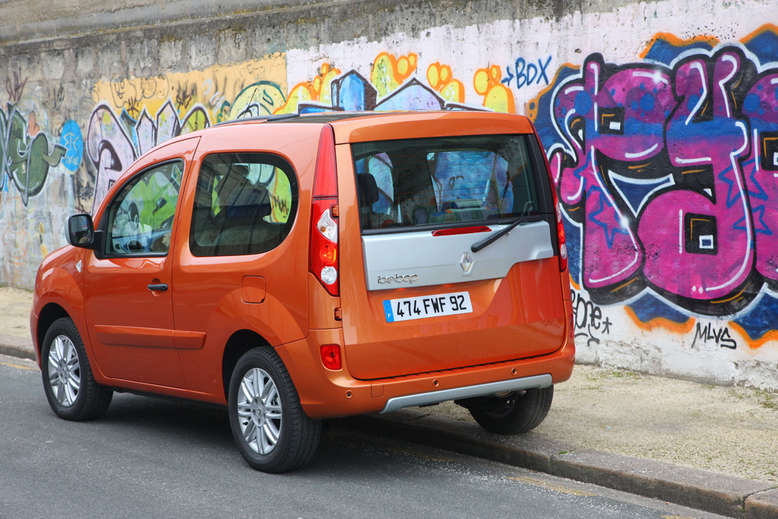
269,426
68,383
516,413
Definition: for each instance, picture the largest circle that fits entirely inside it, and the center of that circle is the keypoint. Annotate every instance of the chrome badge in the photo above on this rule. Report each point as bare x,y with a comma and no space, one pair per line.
398,278
466,263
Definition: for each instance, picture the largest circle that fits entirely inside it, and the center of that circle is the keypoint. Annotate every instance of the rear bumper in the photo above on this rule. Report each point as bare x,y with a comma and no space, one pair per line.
325,393
458,393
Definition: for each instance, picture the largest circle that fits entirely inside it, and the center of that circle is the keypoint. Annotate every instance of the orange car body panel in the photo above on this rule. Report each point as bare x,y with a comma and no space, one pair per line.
380,127
173,342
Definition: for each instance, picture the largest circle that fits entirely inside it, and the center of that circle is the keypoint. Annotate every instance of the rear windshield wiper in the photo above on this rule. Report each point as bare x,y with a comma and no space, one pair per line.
480,244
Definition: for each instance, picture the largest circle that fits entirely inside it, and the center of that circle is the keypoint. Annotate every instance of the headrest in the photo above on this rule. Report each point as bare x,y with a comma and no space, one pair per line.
367,189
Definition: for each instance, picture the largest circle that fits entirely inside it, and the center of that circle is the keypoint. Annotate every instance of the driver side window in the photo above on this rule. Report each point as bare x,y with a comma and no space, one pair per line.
140,218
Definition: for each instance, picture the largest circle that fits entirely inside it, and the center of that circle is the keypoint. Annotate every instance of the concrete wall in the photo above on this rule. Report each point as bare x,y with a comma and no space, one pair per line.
660,120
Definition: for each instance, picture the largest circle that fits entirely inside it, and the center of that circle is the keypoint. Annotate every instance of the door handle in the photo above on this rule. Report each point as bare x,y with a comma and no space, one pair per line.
160,287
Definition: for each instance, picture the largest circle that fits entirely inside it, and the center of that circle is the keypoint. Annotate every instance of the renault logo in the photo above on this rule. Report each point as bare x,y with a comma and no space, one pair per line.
466,263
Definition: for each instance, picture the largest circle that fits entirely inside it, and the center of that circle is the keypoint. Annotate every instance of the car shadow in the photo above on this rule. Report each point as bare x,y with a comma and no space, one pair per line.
343,449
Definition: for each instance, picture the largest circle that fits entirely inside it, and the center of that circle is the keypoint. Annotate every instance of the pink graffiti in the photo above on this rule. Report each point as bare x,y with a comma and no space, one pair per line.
620,118
704,137
696,143
761,171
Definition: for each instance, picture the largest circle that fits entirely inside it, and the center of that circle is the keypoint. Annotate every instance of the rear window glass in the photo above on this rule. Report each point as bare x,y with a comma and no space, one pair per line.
448,180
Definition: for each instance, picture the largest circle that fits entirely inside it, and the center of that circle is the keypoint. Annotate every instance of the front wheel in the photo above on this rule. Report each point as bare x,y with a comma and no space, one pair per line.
269,426
71,390
518,412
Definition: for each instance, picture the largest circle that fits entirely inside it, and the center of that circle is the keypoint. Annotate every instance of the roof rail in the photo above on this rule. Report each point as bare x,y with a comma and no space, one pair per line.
281,117
269,118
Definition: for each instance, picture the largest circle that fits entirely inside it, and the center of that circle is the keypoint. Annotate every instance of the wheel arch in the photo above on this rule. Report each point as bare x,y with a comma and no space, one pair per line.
49,313
239,343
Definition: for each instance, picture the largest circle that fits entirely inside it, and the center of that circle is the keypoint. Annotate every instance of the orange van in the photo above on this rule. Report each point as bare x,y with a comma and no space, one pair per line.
301,267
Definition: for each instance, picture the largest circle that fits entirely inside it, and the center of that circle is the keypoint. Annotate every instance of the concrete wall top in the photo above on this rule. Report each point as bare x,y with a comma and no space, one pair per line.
26,21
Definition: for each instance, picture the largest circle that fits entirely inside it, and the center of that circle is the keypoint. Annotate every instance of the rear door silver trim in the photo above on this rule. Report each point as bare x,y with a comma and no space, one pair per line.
458,393
418,258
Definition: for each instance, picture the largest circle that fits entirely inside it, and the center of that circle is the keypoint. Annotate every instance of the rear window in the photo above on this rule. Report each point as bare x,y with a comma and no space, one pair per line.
447,180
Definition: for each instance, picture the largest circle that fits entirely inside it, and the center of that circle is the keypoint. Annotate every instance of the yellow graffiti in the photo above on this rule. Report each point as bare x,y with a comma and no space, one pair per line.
440,78
41,234
497,96
280,197
316,90
213,88
255,100
389,72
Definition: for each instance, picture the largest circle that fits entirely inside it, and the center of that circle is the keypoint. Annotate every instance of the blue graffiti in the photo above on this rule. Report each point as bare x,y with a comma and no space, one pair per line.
73,142
525,74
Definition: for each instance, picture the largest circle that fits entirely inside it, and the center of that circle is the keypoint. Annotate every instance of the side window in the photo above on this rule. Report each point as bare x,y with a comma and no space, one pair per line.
140,218
245,203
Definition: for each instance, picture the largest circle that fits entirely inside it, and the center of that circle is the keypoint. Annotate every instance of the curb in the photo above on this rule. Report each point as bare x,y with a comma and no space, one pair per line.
699,489
16,347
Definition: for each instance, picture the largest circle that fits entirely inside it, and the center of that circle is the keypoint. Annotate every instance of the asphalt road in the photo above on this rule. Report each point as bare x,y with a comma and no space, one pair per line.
153,457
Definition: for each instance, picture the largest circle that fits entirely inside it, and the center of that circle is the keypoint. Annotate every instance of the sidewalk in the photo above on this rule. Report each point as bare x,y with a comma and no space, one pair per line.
709,447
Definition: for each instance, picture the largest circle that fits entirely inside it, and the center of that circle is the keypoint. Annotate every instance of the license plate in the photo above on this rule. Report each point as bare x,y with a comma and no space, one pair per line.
422,307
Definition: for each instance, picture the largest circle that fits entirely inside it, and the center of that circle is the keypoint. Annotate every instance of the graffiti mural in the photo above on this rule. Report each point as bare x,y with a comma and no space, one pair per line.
664,150
665,165
666,170
218,89
114,141
393,84
134,115
26,155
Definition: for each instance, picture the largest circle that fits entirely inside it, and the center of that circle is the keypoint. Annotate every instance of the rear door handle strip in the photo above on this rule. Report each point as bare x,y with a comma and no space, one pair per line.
161,287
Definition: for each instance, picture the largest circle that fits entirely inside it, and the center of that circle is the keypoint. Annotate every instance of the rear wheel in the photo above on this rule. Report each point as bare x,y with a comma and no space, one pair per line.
515,413
71,390
269,426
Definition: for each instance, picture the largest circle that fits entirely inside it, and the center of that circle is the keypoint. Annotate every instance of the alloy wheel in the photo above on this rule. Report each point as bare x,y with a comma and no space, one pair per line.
259,411
64,370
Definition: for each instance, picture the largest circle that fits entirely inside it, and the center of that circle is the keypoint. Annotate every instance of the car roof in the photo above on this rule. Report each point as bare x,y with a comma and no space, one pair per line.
368,126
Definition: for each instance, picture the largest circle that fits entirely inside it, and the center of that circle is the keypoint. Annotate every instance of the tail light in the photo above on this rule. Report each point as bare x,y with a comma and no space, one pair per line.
560,225
323,259
560,230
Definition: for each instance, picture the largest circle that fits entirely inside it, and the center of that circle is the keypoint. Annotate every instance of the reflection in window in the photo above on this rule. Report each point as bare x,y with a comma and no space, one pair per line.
448,180
244,204
140,218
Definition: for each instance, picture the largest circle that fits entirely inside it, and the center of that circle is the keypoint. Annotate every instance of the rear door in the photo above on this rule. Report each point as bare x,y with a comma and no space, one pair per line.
421,288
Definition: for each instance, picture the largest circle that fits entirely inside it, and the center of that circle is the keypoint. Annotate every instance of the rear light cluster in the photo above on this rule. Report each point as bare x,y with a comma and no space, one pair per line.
324,216
560,225
560,230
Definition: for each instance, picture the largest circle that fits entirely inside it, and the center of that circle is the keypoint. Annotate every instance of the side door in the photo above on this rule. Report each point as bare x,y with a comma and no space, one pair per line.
128,292
237,267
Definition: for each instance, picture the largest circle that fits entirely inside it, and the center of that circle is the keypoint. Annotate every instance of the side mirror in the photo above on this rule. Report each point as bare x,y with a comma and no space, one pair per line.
81,232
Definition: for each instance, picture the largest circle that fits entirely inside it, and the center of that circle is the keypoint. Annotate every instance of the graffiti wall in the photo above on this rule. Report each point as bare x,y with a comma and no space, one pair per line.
37,159
659,119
